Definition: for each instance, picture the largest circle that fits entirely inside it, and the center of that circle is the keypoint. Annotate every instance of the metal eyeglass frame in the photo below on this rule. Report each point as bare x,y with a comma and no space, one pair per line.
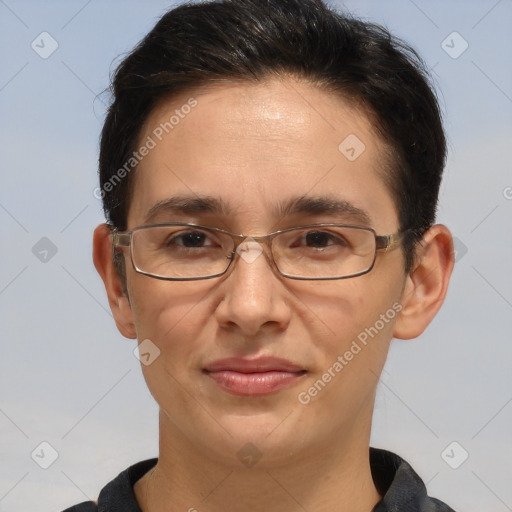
383,243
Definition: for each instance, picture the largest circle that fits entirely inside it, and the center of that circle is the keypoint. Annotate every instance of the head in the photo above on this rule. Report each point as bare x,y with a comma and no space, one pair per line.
242,107
191,46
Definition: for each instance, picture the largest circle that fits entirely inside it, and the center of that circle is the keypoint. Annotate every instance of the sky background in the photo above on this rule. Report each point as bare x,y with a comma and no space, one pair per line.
68,378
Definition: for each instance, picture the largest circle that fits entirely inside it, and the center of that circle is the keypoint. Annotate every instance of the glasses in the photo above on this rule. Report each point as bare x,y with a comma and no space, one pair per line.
186,252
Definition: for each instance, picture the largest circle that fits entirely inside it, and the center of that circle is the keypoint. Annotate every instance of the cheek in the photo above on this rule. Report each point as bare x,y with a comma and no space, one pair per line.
342,310
170,314
350,358
358,317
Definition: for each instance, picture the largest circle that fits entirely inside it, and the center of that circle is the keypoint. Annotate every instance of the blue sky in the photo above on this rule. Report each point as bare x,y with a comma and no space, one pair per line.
67,376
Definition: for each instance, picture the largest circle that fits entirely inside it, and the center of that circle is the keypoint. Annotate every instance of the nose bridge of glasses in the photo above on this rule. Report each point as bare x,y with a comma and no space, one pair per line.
249,248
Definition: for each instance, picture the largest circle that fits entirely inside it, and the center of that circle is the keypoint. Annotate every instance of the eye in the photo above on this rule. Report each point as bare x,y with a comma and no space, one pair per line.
321,239
189,239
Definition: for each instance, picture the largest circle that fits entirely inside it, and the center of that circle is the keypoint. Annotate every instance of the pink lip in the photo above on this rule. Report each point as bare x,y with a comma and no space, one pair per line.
254,377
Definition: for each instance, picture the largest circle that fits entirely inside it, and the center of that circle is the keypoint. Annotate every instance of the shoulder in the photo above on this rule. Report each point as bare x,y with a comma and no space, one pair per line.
118,494
400,486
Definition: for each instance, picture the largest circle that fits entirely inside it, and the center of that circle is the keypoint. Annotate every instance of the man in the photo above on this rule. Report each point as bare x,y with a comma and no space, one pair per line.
270,173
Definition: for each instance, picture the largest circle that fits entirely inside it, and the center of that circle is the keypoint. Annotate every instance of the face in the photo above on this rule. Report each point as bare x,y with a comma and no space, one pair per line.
255,148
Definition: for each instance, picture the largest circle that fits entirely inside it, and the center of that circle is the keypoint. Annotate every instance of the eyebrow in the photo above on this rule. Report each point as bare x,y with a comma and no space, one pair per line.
188,204
312,205
321,205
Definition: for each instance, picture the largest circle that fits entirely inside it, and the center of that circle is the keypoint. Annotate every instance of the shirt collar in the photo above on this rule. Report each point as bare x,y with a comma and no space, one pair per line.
398,484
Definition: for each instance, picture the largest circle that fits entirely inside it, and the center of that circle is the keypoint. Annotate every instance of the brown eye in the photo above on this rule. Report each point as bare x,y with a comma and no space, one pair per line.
323,239
189,239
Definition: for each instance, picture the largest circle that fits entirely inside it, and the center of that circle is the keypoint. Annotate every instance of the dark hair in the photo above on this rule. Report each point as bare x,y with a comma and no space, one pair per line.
251,40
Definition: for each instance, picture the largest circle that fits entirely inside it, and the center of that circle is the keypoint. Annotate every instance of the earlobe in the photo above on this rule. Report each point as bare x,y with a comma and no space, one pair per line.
426,286
117,299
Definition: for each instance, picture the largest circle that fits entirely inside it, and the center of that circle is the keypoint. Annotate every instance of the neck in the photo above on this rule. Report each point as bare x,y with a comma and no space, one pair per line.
188,478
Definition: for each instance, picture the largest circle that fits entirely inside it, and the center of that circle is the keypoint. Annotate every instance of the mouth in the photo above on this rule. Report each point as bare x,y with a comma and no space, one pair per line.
254,377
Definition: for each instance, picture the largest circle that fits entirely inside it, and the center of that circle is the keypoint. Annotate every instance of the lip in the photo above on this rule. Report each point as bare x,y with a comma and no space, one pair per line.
254,377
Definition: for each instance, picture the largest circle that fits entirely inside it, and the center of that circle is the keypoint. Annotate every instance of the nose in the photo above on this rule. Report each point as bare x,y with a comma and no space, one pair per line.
254,296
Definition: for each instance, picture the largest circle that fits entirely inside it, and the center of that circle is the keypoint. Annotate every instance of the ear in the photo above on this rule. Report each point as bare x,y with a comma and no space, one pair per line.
426,286
118,300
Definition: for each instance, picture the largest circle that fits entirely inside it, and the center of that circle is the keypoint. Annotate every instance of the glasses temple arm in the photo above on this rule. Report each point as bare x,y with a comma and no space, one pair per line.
387,242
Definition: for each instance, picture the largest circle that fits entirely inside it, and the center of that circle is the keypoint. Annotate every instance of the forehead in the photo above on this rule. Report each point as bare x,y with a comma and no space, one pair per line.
255,147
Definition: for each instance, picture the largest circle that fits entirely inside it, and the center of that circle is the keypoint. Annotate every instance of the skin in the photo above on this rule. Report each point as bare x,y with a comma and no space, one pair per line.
253,145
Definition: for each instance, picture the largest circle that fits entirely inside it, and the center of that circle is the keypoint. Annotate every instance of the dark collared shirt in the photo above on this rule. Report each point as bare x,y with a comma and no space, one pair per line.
401,488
